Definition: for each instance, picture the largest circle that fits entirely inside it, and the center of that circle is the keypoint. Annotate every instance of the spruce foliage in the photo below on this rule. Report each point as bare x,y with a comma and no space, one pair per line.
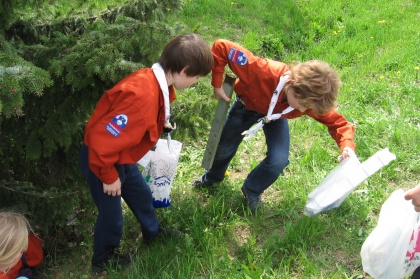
51,76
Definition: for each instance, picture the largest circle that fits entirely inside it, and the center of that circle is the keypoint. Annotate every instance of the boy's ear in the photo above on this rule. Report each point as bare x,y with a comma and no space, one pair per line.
184,70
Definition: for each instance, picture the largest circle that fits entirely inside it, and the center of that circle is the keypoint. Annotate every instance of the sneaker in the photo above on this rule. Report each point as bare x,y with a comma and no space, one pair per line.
254,202
163,234
114,261
201,183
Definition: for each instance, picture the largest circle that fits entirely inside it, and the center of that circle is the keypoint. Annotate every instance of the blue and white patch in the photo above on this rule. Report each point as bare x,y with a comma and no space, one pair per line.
117,124
237,57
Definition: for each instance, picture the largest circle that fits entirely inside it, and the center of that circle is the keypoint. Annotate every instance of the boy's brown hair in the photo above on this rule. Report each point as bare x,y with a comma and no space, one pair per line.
315,85
188,50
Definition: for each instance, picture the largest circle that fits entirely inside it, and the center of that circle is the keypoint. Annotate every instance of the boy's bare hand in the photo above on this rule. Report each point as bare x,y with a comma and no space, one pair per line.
414,195
219,93
347,152
113,189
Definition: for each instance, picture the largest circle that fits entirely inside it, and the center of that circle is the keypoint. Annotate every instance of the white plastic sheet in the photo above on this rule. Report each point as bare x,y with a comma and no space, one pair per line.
342,180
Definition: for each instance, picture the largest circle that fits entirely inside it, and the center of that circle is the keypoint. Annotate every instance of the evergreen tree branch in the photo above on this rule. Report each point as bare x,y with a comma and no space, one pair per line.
6,186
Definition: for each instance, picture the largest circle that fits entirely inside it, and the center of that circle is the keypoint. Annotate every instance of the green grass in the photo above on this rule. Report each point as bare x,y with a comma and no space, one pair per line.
374,45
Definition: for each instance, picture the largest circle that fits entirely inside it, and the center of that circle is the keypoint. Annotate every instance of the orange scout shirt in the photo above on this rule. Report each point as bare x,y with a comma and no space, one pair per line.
126,123
33,257
257,78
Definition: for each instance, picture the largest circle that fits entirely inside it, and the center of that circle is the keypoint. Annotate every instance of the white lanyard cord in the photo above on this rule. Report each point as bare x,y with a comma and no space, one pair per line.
251,132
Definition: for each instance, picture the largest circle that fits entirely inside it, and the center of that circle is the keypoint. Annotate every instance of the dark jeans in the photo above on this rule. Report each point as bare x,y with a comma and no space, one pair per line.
416,274
277,139
109,223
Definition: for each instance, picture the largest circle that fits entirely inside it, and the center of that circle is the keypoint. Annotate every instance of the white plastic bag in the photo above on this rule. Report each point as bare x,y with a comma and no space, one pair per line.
392,249
159,173
342,180
145,160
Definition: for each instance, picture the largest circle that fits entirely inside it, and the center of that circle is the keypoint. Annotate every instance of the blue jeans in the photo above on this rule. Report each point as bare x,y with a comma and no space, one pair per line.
109,223
277,139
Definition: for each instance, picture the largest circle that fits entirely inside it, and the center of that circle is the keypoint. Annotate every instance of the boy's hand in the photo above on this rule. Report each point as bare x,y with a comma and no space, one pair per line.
347,152
414,195
113,189
219,93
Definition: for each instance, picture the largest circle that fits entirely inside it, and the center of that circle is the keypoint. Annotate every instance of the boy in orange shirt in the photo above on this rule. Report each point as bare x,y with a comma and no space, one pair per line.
126,123
268,93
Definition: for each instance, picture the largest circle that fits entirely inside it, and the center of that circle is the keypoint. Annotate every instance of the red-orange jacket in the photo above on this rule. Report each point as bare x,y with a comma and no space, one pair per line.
257,78
33,257
126,123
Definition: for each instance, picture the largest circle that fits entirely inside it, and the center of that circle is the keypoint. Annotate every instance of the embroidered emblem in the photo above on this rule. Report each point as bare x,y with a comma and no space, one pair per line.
117,124
237,56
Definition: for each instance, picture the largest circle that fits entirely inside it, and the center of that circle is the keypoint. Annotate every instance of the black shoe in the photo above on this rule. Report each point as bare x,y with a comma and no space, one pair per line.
164,234
253,201
114,261
201,183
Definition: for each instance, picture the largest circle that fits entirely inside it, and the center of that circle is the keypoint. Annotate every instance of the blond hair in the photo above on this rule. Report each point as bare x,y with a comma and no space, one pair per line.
315,85
13,237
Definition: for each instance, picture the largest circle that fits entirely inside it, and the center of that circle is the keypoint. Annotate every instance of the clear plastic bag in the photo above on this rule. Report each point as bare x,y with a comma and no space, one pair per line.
392,249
